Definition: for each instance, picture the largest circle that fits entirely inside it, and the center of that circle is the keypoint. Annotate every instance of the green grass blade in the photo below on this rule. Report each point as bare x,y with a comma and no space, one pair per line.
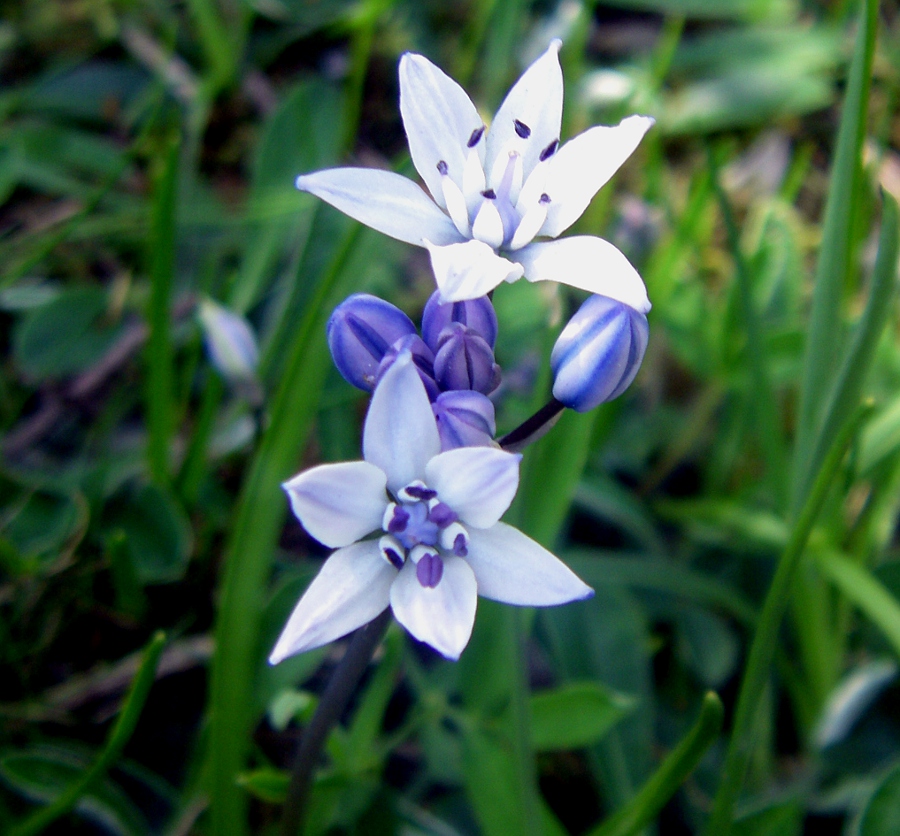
671,774
160,405
115,743
822,346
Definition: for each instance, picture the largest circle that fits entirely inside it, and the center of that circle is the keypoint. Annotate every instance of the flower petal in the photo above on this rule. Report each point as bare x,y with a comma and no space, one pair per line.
479,483
469,270
441,616
583,165
385,201
400,435
352,587
532,107
439,119
514,569
587,263
339,503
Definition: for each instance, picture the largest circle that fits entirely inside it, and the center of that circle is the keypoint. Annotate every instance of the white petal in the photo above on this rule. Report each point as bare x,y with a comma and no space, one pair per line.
352,588
469,270
587,263
514,569
442,616
439,119
385,201
581,166
478,483
400,434
339,503
488,225
535,100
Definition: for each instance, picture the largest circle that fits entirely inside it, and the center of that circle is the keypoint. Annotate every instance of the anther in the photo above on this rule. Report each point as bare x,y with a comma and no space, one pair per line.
544,198
490,194
549,151
398,521
522,129
429,570
442,167
460,545
442,515
475,137
417,492
393,558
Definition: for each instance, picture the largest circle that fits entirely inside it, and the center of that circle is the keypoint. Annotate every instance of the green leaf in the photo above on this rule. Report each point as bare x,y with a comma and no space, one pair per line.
881,814
266,784
708,646
574,715
65,336
783,818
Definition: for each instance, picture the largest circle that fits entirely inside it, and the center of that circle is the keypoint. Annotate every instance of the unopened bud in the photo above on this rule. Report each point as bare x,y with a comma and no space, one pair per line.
422,359
360,332
464,419
230,341
464,360
598,353
477,314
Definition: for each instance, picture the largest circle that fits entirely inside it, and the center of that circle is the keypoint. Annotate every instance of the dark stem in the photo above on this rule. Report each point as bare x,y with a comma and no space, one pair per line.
534,427
338,692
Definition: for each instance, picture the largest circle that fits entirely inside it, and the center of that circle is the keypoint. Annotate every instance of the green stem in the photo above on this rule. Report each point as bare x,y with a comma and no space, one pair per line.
765,640
680,763
115,743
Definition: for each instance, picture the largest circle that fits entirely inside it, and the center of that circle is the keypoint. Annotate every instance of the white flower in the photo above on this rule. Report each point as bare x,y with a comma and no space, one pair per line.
441,541
494,191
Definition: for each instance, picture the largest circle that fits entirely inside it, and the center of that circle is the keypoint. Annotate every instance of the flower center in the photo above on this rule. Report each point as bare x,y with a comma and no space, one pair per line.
418,527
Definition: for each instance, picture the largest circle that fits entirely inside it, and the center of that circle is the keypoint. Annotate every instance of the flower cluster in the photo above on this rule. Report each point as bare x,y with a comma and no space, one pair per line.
416,524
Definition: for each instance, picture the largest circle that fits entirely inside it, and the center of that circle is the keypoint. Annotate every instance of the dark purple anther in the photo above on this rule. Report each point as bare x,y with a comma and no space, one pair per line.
549,151
429,570
460,547
477,314
544,198
475,137
418,492
360,332
442,167
399,520
464,419
522,129
395,559
465,361
490,194
442,515
598,353
422,357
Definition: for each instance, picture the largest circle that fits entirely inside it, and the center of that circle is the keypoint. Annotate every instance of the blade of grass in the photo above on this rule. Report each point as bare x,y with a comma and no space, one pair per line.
765,640
115,743
160,397
822,347
680,763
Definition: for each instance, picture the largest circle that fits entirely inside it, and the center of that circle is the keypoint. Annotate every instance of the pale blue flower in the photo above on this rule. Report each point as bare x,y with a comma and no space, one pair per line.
440,542
493,192
230,341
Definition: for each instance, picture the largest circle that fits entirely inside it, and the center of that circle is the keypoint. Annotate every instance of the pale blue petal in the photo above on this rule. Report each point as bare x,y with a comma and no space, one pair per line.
587,263
441,616
339,503
439,119
514,569
469,270
478,483
352,588
535,101
385,201
400,434
583,165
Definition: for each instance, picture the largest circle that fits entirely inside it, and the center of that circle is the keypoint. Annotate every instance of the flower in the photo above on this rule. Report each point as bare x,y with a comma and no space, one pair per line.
598,353
494,192
230,341
441,543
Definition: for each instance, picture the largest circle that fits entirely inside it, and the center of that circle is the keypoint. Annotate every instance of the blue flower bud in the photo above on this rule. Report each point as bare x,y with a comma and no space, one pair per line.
230,341
598,353
360,331
464,360
477,314
464,419
422,359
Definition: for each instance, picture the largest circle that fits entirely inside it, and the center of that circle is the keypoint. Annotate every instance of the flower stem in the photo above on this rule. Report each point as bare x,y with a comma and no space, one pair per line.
534,427
338,692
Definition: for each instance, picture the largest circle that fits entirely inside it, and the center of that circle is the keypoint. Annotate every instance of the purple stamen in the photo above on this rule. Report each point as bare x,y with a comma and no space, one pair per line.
429,570
460,545
522,129
393,558
442,515
417,492
490,194
549,151
442,167
398,521
475,137
545,198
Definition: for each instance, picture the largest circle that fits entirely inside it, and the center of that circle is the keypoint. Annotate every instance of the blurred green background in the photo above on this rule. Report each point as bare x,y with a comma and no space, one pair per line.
147,158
